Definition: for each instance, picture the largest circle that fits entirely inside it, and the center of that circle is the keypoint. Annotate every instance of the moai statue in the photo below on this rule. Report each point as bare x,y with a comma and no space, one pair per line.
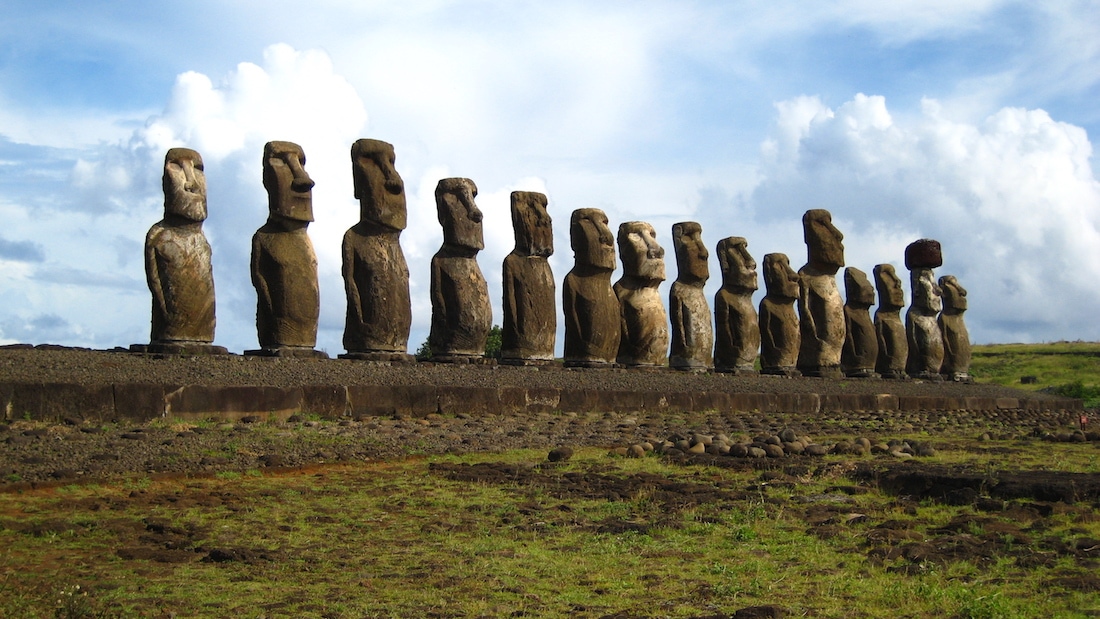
461,314
376,276
736,322
780,336
921,326
530,309
692,328
893,344
956,339
644,340
860,353
820,308
588,301
284,266
177,263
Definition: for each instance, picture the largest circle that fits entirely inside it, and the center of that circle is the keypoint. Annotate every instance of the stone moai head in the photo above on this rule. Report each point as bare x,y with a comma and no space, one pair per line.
458,214
289,187
824,243
954,295
890,293
378,186
691,254
532,224
184,184
591,239
738,267
642,257
923,254
858,291
779,278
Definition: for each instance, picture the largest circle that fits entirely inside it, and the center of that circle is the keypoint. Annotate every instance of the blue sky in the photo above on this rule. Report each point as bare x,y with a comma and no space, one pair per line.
968,122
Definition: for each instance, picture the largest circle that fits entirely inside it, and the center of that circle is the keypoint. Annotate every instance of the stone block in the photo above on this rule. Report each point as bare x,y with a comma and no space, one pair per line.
232,402
327,401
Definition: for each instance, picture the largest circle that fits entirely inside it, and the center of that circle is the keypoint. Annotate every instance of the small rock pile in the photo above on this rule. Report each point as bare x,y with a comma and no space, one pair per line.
1076,436
786,442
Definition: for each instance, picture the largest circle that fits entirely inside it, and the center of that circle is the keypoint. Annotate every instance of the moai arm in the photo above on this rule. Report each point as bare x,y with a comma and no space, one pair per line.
152,275
351,286
258,279
681,318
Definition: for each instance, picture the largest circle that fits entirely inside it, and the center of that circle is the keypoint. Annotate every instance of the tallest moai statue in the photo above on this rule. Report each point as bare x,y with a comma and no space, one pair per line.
530,309
376,276
925,338
692,322
820,307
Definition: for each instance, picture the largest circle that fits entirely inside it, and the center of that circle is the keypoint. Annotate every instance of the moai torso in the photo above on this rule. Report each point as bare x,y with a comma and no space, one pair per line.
644,323
893,344
860,353
177,257
956,339
692,328
779,332
592,329
921,325
820,307
376,276
530,310
284,265
737,326
461,313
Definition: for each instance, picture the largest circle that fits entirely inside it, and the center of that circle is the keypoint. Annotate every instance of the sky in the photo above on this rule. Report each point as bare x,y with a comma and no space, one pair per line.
966,121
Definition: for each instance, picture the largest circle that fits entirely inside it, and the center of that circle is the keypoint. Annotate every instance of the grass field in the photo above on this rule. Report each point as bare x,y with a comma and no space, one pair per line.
1067,368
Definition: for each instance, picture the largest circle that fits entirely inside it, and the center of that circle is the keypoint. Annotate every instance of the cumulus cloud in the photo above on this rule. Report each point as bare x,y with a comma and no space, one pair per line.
1013,199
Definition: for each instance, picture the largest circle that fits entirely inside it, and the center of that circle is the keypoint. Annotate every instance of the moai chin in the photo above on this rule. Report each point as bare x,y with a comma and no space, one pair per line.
921,325
461,313
692,328
284,266
893,344
780,337
592,330
530,310
376,276
737,327
820,307
956,339
177,263
860,353
644,322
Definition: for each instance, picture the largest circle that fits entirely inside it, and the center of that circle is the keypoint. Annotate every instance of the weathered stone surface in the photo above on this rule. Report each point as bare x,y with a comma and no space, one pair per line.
376,276
956,339
644,339
737,326
923,254
893,344
780,336
860,353
177,260
692,323
921,325
461,314
588,301
284,266
530,305
820,307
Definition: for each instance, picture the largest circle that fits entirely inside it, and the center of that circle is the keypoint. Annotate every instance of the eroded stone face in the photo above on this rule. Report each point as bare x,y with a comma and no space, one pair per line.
692,329
378,186
780,337
893,344
289,187
530,312
860,353
644,322
177,256
376,276
458,214
461,313
737,329
592,329
922,327
956,338
824,243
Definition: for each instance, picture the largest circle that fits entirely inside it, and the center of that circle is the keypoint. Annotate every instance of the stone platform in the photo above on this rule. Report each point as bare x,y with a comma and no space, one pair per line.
49,383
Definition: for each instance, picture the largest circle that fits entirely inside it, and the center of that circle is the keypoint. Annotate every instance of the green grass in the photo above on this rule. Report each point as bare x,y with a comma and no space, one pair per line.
400,539
1069,368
